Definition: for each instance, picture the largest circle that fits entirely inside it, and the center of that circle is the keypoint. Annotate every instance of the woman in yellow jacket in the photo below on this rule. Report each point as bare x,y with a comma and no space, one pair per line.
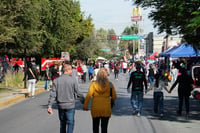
101,110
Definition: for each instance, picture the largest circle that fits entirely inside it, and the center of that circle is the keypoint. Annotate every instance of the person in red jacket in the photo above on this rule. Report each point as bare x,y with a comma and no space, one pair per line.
80,71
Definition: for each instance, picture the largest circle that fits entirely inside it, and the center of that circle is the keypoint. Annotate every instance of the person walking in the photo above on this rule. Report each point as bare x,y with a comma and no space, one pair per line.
64,91
100,90
54,72
116,71
174,74
80,72
16,67
137,79
184,90
32,79
84,68
150,74
90,72
125,65
158,97
47,78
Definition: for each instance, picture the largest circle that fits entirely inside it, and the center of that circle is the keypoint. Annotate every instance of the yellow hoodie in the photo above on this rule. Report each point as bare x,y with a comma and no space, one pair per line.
101,103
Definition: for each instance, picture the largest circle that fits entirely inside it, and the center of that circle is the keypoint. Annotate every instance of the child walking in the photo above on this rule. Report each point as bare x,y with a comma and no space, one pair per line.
158,87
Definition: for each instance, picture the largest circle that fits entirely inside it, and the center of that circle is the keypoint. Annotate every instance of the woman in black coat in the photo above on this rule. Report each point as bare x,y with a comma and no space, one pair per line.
184,90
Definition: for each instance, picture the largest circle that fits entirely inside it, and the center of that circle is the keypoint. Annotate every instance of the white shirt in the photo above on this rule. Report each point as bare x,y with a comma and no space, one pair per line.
124,65
84,68
160,87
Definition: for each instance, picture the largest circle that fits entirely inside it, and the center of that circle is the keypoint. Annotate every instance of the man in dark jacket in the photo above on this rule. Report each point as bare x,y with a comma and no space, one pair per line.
64,91
184,90
137,79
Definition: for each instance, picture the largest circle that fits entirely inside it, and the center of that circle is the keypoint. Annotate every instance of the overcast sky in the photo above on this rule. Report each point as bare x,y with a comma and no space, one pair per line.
114,14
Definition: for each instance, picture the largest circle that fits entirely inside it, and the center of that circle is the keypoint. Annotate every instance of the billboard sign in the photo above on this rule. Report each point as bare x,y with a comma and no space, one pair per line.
65,56
136,14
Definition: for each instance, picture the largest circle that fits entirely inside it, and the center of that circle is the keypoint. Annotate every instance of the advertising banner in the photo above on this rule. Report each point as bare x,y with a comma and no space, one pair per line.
136,14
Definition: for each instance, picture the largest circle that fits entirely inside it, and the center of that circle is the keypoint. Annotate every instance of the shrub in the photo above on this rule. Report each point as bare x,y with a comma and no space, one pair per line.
13,80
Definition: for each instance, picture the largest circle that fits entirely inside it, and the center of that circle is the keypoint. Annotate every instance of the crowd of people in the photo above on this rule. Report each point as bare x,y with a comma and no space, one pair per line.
63,81
142,78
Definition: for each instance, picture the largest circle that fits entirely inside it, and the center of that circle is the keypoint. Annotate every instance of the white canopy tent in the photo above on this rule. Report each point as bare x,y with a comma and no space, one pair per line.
101,58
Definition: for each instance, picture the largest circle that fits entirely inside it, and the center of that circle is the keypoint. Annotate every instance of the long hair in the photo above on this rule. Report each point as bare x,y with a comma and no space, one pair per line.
102,77
157,79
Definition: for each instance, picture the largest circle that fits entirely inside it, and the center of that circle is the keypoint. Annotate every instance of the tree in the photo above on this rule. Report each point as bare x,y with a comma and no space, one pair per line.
128,44
41,27
175,17
112,43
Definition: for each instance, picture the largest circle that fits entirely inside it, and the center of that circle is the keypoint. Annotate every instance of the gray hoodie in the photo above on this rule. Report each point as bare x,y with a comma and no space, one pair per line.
64,92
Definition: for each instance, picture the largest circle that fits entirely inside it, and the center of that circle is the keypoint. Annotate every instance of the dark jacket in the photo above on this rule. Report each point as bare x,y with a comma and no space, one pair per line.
137,79
185,84
30,75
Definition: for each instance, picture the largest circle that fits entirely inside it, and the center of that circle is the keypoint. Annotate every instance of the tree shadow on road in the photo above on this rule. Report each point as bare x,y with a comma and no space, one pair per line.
170,108
123,108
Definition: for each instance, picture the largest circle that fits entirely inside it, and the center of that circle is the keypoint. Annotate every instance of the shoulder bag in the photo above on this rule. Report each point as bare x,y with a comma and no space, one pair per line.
112,101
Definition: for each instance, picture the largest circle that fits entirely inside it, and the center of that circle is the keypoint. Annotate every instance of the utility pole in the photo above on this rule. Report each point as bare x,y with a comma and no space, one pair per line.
166,45
25,62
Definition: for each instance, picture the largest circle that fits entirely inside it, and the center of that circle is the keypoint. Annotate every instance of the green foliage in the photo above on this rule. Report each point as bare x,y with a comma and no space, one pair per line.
195,22
112,43
131,45
13,80
175,17
42,27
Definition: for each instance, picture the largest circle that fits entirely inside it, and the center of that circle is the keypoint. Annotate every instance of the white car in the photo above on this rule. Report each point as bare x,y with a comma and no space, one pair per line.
196,77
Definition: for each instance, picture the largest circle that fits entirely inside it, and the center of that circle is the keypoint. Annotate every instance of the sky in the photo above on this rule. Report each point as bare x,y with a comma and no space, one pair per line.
115,14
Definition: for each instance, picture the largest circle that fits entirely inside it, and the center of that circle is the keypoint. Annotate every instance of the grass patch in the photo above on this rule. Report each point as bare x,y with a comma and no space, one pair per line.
2,90
13,80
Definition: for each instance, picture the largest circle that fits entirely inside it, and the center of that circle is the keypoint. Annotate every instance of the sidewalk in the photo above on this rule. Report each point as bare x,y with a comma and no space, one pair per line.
15,95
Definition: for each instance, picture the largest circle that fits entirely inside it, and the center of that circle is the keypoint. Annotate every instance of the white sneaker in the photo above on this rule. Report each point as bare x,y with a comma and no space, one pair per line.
138,114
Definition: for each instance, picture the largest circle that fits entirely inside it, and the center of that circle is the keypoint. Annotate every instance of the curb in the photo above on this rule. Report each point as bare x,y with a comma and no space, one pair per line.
13,99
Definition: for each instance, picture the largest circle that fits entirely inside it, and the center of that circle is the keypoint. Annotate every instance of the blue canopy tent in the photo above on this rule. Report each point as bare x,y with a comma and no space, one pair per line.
164,54
183,50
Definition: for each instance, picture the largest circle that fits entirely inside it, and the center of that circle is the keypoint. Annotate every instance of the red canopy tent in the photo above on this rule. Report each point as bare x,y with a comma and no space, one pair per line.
153,56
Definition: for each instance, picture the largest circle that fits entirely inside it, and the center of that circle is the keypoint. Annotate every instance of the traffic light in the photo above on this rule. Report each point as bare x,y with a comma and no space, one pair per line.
113,37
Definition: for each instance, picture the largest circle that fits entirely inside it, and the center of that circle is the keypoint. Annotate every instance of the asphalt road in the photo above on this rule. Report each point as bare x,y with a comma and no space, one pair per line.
31,115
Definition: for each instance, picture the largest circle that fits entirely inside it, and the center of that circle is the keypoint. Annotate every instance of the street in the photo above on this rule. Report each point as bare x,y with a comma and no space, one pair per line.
31,115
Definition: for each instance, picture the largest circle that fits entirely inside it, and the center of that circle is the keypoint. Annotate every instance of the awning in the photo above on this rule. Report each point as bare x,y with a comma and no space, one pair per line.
183,50
165,53
153,56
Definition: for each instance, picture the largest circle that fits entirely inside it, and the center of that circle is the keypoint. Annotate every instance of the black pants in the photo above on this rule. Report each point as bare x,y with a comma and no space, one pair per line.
104,124
90,76
116,75
181,97
84,77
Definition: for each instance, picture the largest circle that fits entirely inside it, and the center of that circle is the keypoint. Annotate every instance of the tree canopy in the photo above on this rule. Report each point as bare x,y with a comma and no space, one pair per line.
42,27
175,17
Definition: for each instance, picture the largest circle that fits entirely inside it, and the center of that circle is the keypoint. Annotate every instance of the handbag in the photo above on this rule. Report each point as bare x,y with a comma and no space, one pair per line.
112,101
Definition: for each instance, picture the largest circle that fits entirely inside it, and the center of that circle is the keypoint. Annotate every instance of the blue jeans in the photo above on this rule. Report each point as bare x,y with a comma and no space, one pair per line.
137,100
66,117
151,79
46,85
158,102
